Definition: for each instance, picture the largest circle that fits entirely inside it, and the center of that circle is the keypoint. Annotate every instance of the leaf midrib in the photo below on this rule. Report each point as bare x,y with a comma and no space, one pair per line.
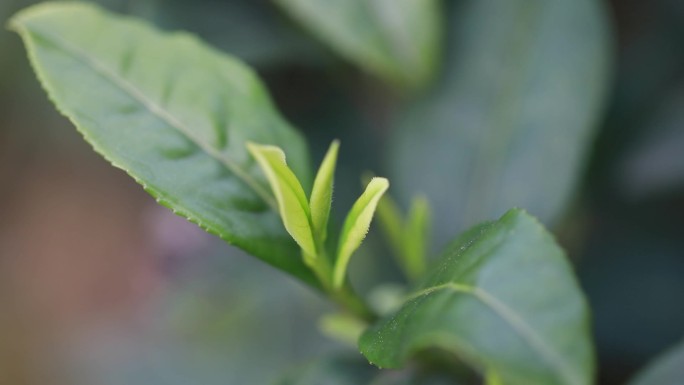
155,109
516,322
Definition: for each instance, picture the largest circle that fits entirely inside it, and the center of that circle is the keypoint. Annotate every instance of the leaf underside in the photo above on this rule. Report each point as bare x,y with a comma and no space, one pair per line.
174,114
503,298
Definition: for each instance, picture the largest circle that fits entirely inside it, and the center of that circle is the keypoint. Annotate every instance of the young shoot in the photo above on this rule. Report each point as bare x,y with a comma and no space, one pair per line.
307,220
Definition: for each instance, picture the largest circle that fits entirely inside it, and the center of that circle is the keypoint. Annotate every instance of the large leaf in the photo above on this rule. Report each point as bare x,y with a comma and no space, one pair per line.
172,113
398,40
504,299
667,370
513,116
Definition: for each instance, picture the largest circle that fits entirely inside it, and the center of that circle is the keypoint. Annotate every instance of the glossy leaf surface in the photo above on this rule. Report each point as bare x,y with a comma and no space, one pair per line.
512,117
503,298
398,40
174,114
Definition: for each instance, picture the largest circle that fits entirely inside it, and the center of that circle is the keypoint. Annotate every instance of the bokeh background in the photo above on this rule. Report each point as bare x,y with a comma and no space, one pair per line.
575,114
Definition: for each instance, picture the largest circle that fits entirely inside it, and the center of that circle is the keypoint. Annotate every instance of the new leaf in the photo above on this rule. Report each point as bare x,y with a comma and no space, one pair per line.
356,226
292,203
321,195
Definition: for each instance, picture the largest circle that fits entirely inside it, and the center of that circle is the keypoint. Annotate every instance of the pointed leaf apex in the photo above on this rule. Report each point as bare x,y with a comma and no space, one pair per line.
356,226
321,194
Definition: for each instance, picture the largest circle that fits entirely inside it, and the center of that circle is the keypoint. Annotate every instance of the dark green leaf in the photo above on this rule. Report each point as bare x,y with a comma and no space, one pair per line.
398,40
512,119
503,299
667,370
174,114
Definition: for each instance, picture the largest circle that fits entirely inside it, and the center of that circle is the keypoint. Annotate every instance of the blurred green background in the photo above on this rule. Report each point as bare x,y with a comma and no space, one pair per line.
573,110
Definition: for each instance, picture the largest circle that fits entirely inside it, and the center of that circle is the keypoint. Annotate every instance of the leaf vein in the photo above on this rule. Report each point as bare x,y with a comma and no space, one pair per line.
516,322
160,112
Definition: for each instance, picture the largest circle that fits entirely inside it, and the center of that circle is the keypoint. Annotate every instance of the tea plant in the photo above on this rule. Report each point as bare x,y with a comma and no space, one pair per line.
199,132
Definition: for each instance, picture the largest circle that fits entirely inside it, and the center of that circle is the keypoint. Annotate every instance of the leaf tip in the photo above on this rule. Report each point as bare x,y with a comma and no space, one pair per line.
378,184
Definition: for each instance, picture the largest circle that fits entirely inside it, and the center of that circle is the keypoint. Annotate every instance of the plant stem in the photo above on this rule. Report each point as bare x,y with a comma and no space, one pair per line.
345,297
351,302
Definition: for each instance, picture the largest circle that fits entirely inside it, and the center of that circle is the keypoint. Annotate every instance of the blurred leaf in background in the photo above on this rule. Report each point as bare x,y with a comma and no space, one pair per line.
654,163
397,40
632,255
667,369
513,116
254,31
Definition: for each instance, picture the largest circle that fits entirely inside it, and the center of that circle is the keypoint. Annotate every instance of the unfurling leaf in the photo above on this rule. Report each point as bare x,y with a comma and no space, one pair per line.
356,226
292,203
321,195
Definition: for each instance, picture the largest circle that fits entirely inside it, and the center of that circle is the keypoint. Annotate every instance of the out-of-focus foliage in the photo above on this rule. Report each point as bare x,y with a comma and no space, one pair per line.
513,114
666,370
398,40
344,369
340,370
654,163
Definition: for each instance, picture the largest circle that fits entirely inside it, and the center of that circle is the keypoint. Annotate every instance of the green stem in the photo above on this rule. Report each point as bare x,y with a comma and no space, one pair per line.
345,297
351,301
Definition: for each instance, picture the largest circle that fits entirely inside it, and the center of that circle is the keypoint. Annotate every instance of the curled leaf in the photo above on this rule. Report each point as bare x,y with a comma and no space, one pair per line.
356,226
292,203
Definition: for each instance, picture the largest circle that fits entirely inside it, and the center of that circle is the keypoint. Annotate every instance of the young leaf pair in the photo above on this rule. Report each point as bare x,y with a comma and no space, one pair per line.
307,220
